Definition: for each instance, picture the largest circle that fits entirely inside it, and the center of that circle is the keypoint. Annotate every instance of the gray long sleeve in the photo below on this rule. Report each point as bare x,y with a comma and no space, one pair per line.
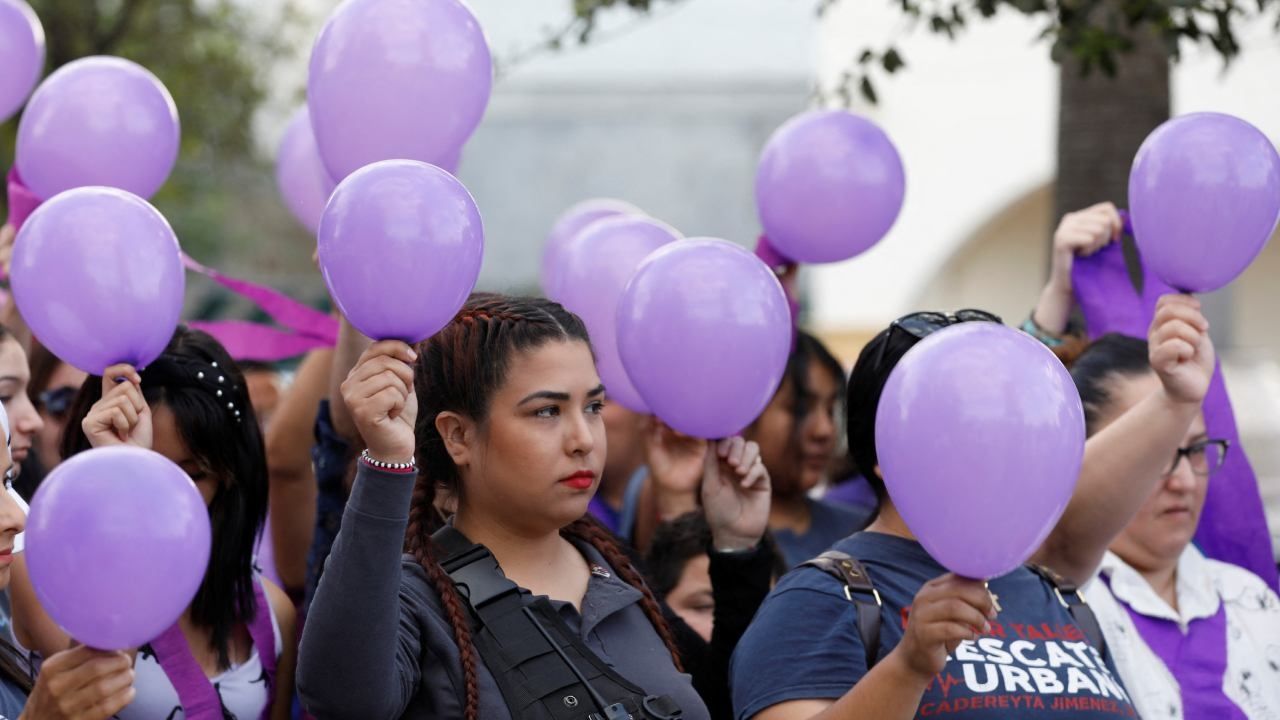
361,645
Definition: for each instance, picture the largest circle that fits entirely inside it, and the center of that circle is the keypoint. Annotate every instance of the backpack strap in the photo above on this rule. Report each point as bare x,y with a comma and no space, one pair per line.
859,590
195,693
1072,599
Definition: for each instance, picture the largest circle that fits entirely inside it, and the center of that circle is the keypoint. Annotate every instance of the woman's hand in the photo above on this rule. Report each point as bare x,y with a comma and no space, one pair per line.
947,611
81,684
735,494
675,464
122,416
1180,349
1080,234
379,395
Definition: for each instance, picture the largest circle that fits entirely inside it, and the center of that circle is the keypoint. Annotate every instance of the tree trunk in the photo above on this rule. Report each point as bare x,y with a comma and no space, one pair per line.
1102,120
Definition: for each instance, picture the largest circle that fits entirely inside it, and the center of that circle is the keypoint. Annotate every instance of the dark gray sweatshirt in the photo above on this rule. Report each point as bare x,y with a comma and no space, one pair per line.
377,644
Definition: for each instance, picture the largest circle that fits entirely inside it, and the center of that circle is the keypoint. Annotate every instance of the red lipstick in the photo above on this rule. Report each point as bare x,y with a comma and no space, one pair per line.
581,480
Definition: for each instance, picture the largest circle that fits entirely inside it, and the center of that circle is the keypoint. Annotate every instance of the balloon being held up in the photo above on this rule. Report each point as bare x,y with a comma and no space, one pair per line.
829,186
597,264
567,226
98,121
117,544
400,249
1204,196
97,274
980,436
21,54
704,332
301,176
397,79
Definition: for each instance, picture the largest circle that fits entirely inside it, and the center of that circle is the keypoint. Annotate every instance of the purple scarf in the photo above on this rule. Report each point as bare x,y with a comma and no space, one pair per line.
1233,526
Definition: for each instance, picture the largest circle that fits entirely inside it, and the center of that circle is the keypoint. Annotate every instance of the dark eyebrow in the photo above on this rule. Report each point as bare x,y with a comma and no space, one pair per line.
558,396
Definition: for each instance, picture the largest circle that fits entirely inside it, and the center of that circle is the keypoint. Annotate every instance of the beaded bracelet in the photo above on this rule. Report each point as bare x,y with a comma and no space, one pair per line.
392,467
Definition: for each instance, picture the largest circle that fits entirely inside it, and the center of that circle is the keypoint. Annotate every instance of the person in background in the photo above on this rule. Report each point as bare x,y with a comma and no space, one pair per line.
679,569
617,502
797,434
53,386
266,388
1192,637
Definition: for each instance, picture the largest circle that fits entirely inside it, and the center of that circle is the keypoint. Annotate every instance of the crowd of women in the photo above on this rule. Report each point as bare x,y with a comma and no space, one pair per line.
468,528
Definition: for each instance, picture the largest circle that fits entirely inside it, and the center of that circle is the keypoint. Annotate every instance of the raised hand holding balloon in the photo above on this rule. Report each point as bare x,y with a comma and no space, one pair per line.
117,543
98,121
704,332
400,246
1204,195
97,275
980,436
829,186
596,265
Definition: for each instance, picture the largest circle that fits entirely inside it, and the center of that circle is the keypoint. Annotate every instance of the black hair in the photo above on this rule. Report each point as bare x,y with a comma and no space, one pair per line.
1110,356
866,383
229,447
682,539
808,350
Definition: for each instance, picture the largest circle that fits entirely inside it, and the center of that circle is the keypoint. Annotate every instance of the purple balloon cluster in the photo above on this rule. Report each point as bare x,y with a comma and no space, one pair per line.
21,54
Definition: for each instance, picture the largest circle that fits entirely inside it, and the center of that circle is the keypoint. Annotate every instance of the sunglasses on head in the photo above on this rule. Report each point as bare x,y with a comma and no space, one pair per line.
921,325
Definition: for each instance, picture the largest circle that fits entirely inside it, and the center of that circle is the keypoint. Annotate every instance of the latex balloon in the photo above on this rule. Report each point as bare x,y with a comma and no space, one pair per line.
97,274
98,121
598,263
400,249
117,545
21,55
1204,196
397,79
829,186
570,223
704,333
980,437
301,176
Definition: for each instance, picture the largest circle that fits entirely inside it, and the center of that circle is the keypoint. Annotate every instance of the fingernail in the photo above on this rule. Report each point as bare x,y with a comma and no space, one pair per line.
992,613
986,628
413,355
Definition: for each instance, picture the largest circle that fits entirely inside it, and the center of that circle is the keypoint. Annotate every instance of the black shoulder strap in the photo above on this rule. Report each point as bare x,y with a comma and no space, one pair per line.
860,591
528,647
1073,600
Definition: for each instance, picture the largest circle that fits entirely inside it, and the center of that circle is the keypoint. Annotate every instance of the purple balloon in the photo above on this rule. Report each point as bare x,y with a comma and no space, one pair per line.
397,79
570,223
117,544
1204,197
21,54
303,180
980,437
98,121
400,248
704,332
97,275
829,186
598,263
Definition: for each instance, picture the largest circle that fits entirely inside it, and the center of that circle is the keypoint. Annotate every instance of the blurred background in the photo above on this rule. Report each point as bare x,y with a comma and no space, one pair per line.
667,104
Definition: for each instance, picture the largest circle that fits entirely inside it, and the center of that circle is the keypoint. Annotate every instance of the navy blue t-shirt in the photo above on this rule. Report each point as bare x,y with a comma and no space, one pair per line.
1034,664
828,524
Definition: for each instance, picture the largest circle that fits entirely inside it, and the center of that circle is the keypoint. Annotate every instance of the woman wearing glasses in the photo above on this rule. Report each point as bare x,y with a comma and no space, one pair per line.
942,647
1191,637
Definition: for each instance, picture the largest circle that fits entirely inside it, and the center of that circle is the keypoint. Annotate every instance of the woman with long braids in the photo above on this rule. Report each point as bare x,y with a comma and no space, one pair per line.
506,403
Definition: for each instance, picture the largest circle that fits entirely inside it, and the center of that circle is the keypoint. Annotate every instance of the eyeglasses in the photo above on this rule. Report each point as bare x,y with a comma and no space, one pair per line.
1206,457
923,324
57,401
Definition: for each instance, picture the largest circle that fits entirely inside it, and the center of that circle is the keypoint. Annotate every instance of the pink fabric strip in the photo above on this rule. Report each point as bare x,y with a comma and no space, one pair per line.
22,202
298,317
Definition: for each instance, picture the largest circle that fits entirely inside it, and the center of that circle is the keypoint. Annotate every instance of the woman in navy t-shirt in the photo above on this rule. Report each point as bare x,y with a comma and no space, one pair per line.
944,650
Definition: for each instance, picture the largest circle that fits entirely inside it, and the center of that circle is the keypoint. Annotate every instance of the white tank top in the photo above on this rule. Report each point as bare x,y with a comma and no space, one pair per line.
242,688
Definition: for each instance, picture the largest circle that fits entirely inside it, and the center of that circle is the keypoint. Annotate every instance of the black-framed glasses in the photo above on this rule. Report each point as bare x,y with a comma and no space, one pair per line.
1206,457
921,325
57,401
